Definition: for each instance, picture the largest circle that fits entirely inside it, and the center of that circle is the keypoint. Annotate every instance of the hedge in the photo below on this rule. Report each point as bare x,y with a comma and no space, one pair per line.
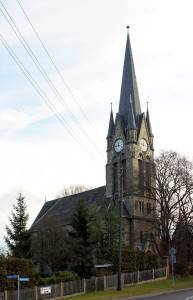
16,266
52,280
132,261
25,268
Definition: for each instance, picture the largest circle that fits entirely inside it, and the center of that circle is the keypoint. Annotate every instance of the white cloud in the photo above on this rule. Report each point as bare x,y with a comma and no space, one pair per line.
14,119
87,41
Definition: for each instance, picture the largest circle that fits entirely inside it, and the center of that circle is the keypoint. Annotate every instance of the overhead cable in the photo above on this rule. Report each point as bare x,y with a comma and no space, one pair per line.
45,98
59,73
44,74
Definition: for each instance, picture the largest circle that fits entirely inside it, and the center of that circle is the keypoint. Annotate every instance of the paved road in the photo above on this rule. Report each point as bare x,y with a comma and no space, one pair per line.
177,295
181,295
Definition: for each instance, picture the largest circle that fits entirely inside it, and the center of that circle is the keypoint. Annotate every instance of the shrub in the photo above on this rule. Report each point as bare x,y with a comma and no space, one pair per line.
52,280
132,261
16,266
181,268
65,273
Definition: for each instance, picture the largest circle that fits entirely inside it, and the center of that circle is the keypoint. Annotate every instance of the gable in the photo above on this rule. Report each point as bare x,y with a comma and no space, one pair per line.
119,131
142,128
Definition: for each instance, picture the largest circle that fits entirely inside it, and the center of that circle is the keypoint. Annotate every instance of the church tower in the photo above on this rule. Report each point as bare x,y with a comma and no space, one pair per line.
130,161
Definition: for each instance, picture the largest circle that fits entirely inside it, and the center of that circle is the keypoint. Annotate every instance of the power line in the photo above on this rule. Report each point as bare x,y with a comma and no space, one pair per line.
59,73
44,74
44,97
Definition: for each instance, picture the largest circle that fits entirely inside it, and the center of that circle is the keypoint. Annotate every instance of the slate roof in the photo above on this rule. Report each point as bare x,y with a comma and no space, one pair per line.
148,122
129,86
131,118
62,208
139,121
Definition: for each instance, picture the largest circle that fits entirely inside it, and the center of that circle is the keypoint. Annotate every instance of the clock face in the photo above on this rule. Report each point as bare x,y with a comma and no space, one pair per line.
143,145
118,145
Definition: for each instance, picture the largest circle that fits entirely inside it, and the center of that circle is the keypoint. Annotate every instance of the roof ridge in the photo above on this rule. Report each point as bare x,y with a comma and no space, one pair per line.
57,200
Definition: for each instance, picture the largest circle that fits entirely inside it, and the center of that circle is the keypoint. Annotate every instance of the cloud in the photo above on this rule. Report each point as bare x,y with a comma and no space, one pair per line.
18,119
87,39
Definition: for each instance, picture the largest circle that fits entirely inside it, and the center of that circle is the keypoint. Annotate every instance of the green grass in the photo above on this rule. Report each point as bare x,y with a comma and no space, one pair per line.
138,289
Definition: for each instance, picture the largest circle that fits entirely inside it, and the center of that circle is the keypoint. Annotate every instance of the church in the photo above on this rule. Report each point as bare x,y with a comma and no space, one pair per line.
129,170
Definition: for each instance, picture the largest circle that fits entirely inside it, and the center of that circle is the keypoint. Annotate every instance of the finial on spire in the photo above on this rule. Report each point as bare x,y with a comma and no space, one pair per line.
127,27
147,105
111,105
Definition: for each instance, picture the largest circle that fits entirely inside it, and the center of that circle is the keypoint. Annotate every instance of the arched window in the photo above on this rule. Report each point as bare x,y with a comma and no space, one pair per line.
141,174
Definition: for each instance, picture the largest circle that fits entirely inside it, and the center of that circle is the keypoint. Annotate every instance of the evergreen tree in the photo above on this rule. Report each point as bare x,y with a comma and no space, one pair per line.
79,222
95,225
81,257
18,238
104,232
111,230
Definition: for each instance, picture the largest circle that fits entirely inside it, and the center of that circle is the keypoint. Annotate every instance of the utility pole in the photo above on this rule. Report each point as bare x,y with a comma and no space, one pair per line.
119,287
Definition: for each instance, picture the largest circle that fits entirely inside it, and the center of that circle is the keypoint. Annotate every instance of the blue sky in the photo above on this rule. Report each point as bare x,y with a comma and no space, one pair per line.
86,40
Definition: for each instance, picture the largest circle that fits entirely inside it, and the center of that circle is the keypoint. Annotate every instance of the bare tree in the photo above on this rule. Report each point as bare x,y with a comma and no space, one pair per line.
52,249
174,195
72,190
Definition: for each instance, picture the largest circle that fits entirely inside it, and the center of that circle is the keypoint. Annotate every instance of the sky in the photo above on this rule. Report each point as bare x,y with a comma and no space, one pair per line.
55,135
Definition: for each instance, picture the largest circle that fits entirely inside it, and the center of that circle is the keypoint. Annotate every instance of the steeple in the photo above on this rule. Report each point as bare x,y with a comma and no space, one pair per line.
131,130
111,124
130,161
129,86
131,118
148,122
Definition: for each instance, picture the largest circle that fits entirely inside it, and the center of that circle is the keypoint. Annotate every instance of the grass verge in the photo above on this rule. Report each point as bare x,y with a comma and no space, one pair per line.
138,289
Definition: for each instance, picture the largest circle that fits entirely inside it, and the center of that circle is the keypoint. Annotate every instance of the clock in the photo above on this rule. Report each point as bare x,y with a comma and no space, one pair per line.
143,145
118,145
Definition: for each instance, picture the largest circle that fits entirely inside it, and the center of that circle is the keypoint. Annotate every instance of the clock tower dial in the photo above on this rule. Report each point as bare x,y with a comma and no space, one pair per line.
143,145
118,146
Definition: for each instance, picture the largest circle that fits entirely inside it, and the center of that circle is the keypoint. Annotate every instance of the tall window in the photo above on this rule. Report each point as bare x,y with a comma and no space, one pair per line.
141,236
148,208
141,174
148,175
115,177
123,164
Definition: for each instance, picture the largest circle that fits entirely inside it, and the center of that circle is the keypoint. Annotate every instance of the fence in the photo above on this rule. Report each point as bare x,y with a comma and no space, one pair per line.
65,289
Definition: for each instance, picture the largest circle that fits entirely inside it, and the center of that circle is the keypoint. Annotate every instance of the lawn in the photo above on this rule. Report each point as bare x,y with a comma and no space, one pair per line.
138,289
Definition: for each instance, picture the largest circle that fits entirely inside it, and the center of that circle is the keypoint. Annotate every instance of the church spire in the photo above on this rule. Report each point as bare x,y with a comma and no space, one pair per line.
111,124
148,122
129,86
131,119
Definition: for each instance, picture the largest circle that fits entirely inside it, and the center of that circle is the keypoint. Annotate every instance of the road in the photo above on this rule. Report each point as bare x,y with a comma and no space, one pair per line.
178,295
